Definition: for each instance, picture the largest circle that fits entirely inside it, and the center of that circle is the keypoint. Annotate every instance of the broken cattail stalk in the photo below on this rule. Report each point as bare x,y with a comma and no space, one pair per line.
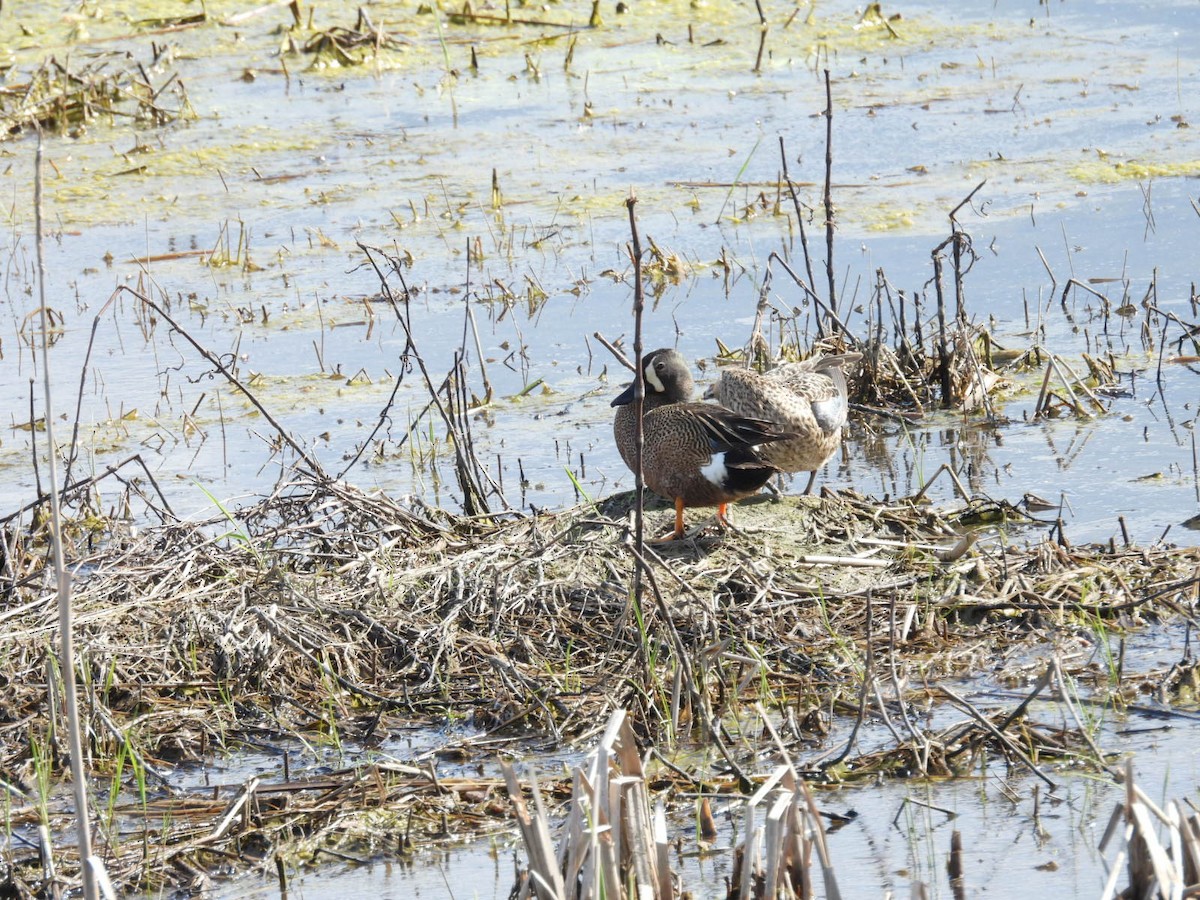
943,349
1041,408
954,866
1153,870
613,846
1075,404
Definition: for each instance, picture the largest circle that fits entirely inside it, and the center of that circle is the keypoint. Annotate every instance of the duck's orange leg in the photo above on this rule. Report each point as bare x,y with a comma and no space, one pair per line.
722,518
678,532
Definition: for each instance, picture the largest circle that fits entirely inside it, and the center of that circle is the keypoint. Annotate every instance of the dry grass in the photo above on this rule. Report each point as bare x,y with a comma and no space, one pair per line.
322,614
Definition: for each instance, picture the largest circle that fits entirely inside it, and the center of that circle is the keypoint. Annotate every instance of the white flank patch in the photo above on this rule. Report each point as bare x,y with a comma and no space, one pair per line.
653,380
715,471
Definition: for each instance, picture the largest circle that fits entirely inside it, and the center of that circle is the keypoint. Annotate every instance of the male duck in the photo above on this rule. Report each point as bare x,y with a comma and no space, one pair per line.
697,454
808,398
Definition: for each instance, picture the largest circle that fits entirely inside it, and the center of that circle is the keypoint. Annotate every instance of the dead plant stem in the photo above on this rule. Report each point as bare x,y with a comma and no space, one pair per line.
213,360
639,402
799,216
615,351
763,28
37,470
1000,736
62,578
942,347
466,463
829,226
84,368
93,480
470,322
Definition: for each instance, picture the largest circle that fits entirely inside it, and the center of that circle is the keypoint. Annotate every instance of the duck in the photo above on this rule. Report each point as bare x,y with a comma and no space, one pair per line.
808,398
693,454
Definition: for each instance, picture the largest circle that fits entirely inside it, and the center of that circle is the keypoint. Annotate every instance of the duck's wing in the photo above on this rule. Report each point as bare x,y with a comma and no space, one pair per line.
726,430
822,382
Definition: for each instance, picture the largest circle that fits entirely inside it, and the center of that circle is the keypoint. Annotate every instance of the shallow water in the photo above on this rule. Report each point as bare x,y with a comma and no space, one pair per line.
402,156
1066,109
1018,834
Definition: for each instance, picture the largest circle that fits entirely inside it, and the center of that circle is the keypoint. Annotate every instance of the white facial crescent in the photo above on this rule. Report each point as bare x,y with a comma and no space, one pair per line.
653,380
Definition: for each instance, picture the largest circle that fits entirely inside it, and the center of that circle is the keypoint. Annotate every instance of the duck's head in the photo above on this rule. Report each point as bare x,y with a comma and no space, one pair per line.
668,379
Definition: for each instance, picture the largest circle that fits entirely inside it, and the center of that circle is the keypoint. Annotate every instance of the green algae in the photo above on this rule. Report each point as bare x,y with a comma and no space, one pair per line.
1104,171
701,51
884,219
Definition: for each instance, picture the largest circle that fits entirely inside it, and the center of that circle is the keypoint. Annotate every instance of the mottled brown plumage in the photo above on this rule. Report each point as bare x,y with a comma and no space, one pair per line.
807,398
696,454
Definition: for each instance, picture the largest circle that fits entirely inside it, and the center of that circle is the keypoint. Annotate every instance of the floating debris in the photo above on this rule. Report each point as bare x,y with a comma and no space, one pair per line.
60,98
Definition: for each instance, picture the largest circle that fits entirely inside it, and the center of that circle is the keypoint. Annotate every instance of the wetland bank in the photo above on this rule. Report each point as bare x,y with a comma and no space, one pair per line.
308,631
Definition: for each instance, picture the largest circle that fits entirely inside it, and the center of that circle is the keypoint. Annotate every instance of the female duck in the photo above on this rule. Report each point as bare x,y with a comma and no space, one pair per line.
807,398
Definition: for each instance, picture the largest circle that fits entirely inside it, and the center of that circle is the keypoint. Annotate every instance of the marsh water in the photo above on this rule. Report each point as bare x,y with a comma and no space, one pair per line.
503,185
